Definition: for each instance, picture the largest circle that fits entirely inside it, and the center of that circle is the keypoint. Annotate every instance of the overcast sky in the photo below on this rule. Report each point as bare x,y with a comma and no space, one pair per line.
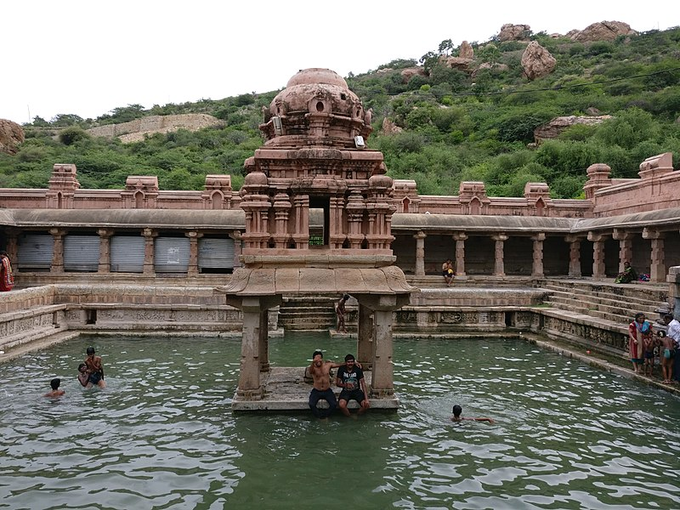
87,57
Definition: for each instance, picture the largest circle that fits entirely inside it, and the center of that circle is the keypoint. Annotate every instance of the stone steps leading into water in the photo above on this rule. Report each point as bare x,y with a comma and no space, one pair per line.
607,301
603,307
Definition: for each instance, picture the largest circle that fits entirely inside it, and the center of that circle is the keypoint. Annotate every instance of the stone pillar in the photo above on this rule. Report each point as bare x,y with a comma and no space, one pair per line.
58,250
365,342
263,343
249,386
657,268
625,240
382,383
574,255
499,263
236,236
12,247
192,269
537,264
673,280
149,236
460,238
104,250
420,252
598,254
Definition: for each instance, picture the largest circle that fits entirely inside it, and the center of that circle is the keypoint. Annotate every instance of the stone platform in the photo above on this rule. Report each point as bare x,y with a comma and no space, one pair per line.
285,389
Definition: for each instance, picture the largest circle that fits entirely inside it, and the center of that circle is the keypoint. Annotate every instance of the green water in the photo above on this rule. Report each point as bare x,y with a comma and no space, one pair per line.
161,435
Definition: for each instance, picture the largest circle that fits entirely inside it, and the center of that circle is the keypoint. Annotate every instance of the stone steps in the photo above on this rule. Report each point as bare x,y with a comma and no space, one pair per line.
606,301
307,313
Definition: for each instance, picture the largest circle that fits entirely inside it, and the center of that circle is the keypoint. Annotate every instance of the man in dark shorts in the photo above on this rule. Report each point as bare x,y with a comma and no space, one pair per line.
320,372
351,379
95,369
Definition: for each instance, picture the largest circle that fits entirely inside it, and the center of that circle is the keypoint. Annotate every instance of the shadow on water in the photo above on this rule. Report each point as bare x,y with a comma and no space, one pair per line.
161,435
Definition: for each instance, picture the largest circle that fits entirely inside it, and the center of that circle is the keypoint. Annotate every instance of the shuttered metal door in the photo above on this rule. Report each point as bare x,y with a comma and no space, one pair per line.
171,254
215,253
35,252
81,252
127,254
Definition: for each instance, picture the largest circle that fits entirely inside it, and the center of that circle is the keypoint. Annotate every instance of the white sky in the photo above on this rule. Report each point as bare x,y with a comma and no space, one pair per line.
87,57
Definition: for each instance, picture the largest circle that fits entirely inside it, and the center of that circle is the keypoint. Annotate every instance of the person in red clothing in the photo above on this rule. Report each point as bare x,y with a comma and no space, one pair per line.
638,330
6,274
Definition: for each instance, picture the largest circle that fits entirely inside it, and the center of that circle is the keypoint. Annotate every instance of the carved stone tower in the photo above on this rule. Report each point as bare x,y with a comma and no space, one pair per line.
315,164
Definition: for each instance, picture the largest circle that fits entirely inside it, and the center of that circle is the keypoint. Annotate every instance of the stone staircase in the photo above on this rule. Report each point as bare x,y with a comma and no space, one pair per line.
607,301
307,313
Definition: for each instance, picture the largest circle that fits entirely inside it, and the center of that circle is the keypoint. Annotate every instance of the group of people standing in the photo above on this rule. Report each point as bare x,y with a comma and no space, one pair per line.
90,374
647,348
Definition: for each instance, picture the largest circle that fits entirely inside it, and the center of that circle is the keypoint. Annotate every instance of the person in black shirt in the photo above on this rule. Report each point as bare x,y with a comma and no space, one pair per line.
351,379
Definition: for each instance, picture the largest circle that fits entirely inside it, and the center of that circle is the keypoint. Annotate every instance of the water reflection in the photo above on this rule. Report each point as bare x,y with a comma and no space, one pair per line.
161,434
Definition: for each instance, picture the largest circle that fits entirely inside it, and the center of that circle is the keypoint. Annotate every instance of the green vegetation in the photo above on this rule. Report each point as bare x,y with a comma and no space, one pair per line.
455,126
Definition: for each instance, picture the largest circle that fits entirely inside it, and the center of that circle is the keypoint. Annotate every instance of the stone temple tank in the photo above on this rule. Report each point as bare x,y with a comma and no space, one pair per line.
315,163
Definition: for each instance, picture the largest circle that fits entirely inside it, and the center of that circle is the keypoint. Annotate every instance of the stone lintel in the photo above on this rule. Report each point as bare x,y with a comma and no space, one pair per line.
355,281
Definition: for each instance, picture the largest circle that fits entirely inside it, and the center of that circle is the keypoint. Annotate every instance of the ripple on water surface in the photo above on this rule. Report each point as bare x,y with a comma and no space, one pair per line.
161,435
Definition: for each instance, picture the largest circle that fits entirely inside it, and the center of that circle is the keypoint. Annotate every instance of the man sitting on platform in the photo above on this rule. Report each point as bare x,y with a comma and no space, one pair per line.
320,372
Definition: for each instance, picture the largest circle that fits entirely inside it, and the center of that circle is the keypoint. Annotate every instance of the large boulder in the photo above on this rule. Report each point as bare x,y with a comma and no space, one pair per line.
410,72
390,128
537,61
510,32
11,136
494,68
466,50
460,63
603,31
556,126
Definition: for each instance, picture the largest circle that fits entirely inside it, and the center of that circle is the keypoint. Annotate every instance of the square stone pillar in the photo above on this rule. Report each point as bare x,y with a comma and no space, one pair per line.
673,280
192,269
420,252
625,240
249,386
149,264
574,255
104,250
499,256
382,383
460,238
236,236
657,268
57,265
598,254
537,264
365,343
263,341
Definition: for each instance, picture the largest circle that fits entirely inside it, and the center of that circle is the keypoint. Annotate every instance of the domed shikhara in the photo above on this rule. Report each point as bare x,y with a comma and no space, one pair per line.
316,109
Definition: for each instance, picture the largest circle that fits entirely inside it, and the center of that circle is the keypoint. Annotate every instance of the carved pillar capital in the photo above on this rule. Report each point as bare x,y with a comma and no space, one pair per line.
597,237
622,235
652,233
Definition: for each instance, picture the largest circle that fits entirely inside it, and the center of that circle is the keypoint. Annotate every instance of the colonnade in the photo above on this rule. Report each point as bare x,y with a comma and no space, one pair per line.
105,235
625,239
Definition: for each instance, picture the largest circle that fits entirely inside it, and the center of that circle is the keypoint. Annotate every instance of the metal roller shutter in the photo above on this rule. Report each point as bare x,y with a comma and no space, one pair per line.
35,252
81,253
171,255
215,253
127,254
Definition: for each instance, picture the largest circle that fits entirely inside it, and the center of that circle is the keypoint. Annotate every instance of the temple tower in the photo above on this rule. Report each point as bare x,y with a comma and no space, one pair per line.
315,162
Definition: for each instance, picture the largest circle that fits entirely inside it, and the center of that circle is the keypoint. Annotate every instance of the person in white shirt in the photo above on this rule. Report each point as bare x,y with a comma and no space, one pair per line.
673,332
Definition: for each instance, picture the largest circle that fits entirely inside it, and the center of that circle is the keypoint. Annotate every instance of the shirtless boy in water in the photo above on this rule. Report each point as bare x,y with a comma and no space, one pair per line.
55,392
320,372
457,410
95,369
